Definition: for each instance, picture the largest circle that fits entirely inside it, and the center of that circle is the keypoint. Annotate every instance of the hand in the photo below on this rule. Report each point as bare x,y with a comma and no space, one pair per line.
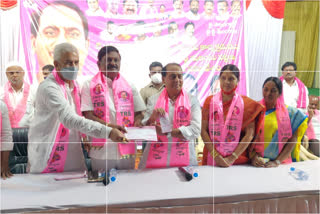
176,133
271,164
159,130
138,123
305,142
86,144
310,112
230,159
220,161
257,161
5,171
120,128
155,114
117,136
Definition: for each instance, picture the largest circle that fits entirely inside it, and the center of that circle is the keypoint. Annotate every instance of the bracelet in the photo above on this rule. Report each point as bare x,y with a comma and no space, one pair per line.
215,153
235,155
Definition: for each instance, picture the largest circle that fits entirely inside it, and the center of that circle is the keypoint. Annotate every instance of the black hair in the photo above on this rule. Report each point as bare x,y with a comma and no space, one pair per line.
225,1
35,17
177,0
48,67
155,64
289,64
192,1
188,23
110,22
107,49
276,81
230,67
171,23
206,1
124,1
165,68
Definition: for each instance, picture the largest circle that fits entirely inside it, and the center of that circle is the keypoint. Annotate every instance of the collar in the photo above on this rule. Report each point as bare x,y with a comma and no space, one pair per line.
19,90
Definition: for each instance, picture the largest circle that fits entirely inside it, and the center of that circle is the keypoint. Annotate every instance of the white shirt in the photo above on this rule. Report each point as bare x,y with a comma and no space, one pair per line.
52,108
98,12
15,98
6,131
191,16
190,133
110,150
291,94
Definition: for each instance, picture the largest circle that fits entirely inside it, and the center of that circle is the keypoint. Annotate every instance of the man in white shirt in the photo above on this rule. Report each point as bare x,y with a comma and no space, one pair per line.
295,93
194,9
18,95
208,10
94,8
111,108
6,144
54,135
177,12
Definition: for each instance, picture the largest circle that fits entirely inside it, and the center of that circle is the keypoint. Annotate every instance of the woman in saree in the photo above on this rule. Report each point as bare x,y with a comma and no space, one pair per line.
281,131
229,122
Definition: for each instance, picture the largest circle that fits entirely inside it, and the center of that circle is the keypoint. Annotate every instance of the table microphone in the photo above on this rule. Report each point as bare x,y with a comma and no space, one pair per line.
186,174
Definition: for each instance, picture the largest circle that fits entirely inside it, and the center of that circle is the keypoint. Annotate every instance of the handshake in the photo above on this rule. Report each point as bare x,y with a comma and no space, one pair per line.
117,133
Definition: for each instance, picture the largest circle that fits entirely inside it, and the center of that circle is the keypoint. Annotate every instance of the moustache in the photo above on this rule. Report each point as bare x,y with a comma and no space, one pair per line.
109,67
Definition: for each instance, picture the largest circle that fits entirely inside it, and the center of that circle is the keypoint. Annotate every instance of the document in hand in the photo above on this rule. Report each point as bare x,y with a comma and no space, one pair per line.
146,133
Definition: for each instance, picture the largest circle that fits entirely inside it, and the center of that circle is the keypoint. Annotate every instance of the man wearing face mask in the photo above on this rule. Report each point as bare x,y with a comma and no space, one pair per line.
55,133
110,99
156,84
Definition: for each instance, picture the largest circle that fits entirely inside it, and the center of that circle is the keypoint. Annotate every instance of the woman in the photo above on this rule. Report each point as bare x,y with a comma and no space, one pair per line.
281,131
180,115
229,120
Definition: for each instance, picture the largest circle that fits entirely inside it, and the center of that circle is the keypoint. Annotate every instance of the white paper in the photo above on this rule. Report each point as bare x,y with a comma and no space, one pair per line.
70,175
146,133
165,123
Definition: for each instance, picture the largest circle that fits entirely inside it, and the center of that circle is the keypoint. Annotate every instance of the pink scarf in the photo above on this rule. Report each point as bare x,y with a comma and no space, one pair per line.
16,114
284,127
302,99
59,151
179,150
123,100
225,134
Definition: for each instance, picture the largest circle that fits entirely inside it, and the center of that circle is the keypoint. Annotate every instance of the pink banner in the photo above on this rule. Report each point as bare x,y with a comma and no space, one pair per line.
201,35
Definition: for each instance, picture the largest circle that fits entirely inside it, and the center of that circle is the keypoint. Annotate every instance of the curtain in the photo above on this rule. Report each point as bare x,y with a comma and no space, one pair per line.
303,17
263,35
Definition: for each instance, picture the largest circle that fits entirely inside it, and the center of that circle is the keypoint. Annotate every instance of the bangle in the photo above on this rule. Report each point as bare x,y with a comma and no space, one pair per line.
277,162
235,155
215,153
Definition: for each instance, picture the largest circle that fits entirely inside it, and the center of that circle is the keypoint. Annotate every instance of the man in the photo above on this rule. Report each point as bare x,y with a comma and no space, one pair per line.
194,9
19,96
188,39
149,9
113,7
295,93
235,8
208,10
6,144
177,10
175,147
156,85
109,99
130,7
173,29
141,31
94,8
109,33
54,136
222,8
56,23
313,131
47,70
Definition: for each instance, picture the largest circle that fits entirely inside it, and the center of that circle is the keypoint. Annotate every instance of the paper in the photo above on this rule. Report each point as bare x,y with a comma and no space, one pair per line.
165,123
70,175
146,133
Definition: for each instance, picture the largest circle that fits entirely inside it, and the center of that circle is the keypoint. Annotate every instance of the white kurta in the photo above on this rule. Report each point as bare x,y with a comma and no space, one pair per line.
190,133
6,131
52,109
291,94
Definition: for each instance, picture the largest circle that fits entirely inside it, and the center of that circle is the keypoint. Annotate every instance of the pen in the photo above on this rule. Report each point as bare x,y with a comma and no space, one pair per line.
186,174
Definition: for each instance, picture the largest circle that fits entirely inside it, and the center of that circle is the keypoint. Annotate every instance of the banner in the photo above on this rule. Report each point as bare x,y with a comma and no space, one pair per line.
201,35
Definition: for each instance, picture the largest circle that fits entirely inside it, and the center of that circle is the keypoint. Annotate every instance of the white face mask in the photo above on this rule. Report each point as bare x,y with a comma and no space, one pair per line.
156,78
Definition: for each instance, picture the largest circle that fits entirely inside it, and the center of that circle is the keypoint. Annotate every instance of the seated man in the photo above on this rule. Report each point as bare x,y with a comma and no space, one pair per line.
313,131
54,135
294,91
182,110
19,96
6,144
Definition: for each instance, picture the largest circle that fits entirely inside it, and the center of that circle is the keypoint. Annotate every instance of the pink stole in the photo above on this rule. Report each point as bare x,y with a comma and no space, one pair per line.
59,151
123,101
284,127
225,134
302,99
315,120
16,114
158,153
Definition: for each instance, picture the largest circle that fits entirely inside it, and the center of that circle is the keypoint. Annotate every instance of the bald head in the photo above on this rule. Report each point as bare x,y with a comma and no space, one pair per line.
15,75
313,102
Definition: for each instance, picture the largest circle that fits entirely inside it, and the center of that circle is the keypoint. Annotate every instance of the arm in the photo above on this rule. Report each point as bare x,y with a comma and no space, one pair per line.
138,116
28,116
6,142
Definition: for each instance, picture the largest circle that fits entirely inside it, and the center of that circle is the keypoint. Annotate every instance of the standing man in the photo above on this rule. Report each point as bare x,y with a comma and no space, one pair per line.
47,70
19,96
109,99
156,85
295,93
54,136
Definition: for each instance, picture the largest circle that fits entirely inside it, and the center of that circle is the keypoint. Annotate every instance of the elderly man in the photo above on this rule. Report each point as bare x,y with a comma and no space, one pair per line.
6,144
295,93
19,96
109,99
156,85
313,131
54,135
179,114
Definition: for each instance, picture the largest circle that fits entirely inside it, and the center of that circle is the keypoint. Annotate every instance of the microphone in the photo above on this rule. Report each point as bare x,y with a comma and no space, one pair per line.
186,174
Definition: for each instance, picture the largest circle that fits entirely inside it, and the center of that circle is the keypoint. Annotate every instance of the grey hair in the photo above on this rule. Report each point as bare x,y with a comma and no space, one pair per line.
62,48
